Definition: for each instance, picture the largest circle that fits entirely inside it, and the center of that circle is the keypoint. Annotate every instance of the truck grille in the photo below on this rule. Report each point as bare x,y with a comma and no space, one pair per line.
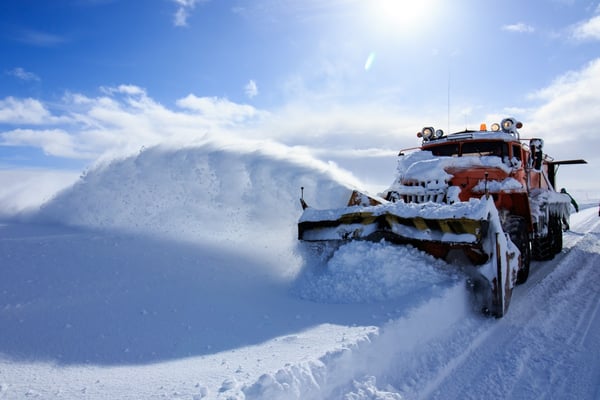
411,191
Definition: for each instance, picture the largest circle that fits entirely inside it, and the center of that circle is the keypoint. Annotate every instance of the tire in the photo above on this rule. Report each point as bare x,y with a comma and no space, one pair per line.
543,247
558,235
516,227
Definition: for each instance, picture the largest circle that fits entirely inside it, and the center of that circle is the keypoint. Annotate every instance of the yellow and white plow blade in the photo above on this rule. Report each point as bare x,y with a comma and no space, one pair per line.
473,227
399,222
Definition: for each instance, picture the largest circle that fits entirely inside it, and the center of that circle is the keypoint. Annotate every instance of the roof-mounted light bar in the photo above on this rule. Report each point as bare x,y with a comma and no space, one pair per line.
510,125
428,133
507,125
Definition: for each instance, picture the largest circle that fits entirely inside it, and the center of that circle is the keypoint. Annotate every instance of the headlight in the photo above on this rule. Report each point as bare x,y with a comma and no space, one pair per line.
495,127
507,124
428,133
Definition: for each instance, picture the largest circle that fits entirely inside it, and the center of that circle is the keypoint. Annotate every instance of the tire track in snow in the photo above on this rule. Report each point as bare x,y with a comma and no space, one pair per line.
525,355
589,314
571,292
531,356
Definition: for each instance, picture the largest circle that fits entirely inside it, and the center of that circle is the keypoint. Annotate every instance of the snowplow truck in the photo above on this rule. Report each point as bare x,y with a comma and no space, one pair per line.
484,196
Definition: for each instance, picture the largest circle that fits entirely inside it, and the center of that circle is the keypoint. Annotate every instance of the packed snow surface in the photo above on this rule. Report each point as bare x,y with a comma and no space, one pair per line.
176,274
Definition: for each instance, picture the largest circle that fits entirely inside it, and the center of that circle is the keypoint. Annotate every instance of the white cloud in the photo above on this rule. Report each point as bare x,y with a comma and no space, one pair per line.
251,89
568,121
22,74
573,87
180,17
124,118
184,9
123,89
215,108
120,121
588,30
54,142
24,111
518,28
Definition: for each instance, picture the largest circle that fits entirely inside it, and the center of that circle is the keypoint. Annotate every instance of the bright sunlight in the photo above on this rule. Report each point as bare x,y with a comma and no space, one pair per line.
401,15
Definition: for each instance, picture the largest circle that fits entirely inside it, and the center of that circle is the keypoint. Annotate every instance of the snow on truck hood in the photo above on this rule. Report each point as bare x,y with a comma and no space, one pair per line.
424,166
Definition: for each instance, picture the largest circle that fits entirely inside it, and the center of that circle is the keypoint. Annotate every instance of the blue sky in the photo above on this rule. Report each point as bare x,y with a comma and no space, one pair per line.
343,79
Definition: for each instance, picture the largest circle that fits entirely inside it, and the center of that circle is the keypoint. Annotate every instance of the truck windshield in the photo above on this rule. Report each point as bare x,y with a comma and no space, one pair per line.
448,150
478,149
499,149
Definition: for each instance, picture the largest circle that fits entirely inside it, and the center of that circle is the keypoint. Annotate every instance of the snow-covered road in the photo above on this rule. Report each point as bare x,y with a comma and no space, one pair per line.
136,300
546,347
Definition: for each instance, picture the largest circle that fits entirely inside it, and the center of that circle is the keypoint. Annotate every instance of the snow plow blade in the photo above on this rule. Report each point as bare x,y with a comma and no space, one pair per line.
462,223
472,227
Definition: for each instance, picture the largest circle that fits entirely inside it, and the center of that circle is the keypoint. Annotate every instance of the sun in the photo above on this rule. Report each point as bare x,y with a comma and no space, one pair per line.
401,15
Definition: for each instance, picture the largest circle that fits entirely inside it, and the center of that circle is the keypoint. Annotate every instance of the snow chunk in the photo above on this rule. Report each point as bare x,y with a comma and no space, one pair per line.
366,389
364,272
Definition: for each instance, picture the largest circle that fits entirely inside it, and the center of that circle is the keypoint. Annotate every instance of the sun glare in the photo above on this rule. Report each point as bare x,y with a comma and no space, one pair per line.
400,15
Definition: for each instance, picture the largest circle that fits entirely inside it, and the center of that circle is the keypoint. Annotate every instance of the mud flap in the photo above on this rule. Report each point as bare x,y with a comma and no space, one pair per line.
491,285
506,258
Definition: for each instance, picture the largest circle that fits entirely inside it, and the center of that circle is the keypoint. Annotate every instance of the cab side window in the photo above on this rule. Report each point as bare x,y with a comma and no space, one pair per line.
516,152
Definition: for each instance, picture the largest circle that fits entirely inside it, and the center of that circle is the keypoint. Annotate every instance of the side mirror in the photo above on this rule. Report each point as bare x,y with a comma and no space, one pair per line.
537,153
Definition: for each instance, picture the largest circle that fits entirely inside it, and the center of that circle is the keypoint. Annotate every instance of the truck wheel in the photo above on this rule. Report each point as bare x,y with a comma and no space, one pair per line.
558,235
542,247
519,235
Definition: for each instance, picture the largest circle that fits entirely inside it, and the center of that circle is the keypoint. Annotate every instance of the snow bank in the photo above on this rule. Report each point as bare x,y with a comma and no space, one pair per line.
402,345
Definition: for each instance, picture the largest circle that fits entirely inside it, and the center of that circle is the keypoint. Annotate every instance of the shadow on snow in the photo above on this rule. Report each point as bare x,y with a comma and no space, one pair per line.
79,296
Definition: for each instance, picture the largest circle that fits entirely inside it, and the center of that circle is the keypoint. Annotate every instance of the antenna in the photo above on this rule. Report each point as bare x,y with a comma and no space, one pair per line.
302,202
448,94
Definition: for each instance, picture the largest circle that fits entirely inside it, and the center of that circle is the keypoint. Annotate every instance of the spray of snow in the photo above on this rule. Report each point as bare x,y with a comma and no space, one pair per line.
25,190
233,193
